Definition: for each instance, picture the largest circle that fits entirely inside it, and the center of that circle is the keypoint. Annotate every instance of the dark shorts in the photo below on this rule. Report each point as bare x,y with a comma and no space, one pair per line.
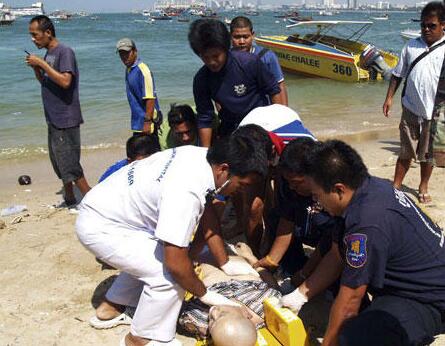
392,321
64,152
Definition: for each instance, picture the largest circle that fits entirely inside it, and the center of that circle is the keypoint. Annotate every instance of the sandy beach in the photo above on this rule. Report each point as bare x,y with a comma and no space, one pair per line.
50,283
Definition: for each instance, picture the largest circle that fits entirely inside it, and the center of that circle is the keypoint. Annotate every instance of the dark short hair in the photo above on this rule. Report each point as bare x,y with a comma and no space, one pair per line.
434,8
44,24
179,114
141,145
205,34
243,156
294,158
335,162
241,22
258,134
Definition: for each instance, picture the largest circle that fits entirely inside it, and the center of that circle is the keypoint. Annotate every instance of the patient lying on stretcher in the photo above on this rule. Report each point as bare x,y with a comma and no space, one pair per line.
248,290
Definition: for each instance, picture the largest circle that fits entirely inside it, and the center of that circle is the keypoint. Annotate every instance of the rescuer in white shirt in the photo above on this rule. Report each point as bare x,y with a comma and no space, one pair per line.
141,221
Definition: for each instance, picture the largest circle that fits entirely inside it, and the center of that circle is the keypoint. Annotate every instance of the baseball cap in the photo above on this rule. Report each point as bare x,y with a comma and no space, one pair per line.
125,44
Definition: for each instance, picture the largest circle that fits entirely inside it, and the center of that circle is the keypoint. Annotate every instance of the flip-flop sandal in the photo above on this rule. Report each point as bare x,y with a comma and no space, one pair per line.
425,198
123,318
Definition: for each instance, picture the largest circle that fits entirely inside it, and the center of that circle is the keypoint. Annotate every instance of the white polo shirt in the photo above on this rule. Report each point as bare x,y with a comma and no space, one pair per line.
422,82
163,194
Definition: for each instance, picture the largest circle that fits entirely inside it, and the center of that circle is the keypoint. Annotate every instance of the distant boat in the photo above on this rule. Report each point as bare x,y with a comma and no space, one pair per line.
160,15
228,21
146,13
183,19
416,20
383,17
410,34
94,18
209,14
36,9
252,13
325,13
6,18
61,15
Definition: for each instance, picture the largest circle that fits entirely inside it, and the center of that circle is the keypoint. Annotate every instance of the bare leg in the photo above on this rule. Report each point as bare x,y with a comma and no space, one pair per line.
402,167
426,169
69,193
82,185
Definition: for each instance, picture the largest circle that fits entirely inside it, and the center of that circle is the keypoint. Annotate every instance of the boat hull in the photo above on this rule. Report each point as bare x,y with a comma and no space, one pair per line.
320,60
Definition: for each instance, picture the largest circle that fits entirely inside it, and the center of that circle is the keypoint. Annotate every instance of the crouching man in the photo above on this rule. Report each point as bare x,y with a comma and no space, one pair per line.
141,220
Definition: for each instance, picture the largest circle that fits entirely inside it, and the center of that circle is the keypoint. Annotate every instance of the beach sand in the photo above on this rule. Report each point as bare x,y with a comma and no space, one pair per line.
50,283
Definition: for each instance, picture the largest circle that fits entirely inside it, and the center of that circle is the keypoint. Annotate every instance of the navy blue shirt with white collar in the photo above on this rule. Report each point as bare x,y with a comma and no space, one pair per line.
392,246
242,85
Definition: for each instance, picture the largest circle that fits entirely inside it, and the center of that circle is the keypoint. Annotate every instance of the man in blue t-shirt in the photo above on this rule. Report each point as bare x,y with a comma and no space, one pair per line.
141,91
58,75
391,249
237,81
138,148
241,31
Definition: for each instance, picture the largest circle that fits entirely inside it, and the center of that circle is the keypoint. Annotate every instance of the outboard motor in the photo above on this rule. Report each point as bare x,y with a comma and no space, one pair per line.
372,61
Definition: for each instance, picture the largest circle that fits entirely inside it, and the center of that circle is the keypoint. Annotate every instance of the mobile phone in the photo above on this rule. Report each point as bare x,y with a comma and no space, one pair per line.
28,53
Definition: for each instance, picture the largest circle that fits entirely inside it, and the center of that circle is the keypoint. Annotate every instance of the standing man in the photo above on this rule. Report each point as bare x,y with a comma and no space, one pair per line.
390,248
59,77
141,91
241,31
237,81
418,96
141,220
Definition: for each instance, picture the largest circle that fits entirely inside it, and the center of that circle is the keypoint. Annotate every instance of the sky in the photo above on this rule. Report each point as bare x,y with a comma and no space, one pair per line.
128,5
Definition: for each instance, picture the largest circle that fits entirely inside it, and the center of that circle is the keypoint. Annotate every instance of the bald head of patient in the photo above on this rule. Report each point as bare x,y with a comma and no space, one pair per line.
230,326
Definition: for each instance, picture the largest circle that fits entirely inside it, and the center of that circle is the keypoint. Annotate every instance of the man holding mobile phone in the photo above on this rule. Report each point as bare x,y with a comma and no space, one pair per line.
58,75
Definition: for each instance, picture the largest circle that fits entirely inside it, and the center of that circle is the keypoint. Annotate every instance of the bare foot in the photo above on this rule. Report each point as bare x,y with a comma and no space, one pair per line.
131,340
108,310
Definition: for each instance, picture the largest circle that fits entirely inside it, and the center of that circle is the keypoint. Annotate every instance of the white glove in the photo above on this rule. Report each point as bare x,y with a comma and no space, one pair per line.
213,298
233,267
294,301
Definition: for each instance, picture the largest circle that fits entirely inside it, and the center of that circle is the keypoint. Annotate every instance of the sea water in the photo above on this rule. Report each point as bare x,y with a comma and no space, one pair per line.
328,108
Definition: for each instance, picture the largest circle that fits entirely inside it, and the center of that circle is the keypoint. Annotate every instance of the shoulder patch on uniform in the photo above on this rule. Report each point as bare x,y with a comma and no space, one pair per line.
356,255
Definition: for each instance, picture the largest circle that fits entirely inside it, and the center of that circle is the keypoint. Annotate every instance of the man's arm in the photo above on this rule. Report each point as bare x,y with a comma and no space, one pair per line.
346,305
392,88
324,274
148,121
62,79
205,136
38,74
178,263
279,246
279,98
283,92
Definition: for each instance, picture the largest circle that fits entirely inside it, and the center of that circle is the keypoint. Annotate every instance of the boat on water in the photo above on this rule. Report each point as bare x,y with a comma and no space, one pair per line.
6,18
325,13
410,34
321,54
60,15
34,10
383,17
252,13
160,15
183,19
227,21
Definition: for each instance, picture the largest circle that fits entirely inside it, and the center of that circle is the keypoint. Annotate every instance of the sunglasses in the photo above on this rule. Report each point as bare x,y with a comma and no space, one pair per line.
430,26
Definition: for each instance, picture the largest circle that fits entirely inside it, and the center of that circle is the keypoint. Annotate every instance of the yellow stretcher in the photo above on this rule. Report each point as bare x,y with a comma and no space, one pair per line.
283,328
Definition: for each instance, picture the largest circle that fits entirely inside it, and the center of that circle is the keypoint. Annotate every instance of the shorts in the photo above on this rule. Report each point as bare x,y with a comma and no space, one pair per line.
64,152
415,138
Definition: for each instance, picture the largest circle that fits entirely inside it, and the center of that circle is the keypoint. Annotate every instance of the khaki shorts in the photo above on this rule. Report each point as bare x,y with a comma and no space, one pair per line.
415,138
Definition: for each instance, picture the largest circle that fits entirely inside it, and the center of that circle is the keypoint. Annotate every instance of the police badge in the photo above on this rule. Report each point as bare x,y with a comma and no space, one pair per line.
356,249
240,90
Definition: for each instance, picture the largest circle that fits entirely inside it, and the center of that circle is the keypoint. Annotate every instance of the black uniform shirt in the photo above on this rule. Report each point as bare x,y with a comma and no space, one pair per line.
392,246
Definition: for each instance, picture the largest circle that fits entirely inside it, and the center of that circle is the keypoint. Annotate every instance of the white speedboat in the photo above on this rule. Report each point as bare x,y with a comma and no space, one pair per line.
383,17
410,34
